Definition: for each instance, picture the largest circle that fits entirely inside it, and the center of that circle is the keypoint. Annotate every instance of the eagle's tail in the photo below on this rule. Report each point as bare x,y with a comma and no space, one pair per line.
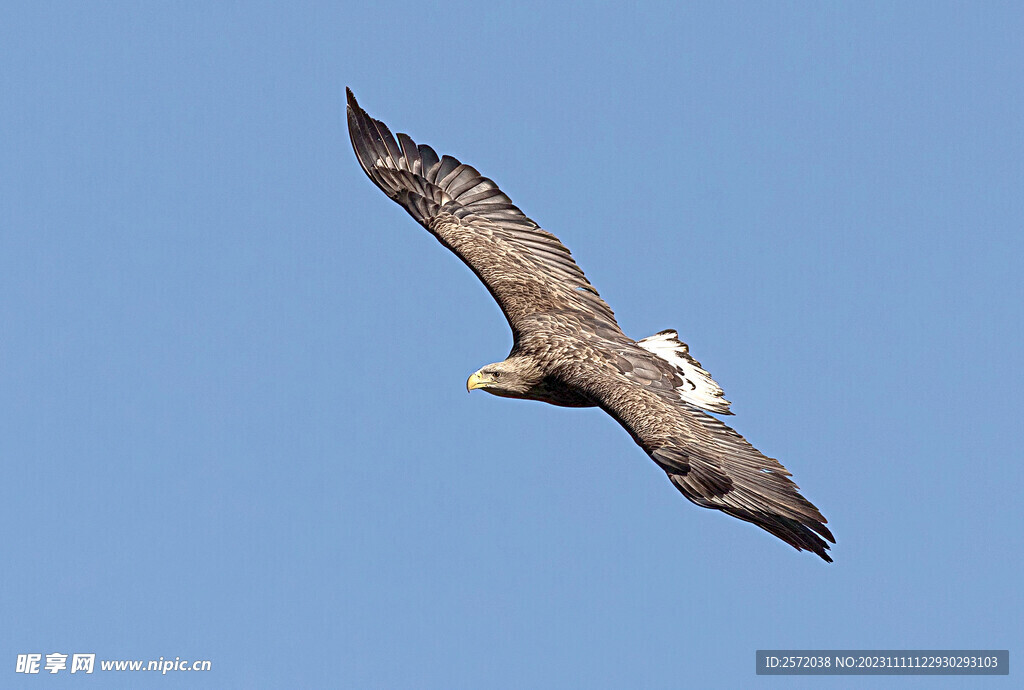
698,388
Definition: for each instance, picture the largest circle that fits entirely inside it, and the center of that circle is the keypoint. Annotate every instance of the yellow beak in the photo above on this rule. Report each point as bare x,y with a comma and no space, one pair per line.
475,381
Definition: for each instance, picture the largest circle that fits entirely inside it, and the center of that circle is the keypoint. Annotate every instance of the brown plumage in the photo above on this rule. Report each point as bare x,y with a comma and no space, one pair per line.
567,347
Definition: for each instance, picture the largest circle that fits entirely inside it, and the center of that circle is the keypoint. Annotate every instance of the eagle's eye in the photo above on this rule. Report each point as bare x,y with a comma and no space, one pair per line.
496,374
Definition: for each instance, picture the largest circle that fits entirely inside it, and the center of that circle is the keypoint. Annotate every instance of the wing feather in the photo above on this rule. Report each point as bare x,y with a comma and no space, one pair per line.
429,158
527,269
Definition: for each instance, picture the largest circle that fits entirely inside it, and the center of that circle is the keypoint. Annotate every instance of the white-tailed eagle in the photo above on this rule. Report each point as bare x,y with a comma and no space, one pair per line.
567,348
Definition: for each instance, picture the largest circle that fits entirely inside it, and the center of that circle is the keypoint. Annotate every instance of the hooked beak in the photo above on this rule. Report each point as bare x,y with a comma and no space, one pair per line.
475,381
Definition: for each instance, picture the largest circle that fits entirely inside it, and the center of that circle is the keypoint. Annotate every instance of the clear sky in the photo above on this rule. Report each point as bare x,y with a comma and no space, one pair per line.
233,416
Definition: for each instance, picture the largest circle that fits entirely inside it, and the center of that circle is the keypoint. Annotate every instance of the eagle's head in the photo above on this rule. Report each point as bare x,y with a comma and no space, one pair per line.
512,378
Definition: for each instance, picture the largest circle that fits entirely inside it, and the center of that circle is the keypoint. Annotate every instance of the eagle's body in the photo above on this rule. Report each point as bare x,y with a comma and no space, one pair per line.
568,349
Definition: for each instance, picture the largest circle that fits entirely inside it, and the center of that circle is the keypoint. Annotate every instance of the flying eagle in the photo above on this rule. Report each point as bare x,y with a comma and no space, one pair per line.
567,348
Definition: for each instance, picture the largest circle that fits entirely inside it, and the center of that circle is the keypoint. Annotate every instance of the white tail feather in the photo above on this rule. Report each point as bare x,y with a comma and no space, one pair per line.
698,388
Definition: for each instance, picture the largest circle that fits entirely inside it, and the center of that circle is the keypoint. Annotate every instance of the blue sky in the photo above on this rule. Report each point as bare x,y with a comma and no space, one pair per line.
233,418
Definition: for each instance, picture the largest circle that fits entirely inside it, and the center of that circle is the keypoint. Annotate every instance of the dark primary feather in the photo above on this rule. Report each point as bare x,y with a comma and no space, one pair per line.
567,337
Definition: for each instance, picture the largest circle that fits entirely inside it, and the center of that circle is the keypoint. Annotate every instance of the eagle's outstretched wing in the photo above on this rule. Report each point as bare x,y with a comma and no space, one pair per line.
526,269
708,462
